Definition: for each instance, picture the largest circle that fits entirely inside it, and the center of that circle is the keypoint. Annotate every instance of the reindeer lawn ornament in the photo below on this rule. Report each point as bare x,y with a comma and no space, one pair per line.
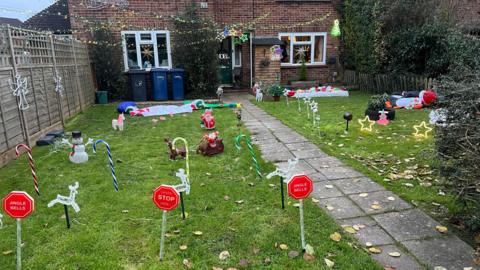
118,123
285,175
67,201
174,152
210,145
220,93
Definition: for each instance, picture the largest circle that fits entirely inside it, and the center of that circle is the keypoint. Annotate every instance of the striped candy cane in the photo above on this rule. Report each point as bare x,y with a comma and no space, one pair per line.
187,167
30,162
110,161
250,148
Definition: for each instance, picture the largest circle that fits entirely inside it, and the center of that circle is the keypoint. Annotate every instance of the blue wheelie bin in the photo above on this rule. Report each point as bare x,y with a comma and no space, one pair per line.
160,84
177,83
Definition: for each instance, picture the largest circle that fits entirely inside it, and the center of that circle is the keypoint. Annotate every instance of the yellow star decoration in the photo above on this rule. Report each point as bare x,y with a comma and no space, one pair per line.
364,125
418,133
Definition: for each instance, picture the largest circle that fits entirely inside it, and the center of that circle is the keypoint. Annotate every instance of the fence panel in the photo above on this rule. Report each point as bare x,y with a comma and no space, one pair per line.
39,57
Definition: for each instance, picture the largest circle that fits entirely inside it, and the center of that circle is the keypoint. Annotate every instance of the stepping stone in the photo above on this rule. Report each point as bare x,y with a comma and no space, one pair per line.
447,251
320,191
357,185
404,262
371,233
384,199
408,225
324,162
340,208
46,140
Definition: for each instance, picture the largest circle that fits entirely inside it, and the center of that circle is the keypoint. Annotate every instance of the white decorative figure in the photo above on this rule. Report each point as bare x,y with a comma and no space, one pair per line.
58,83
438,117
383,118
258,91
118,123
307,104
286,174
78,153
220,93
1,221
314,108
68,201
185,185
285,93
20,90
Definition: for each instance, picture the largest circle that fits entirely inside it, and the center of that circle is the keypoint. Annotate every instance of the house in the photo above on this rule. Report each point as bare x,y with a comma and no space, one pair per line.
294,25
54,18
11,22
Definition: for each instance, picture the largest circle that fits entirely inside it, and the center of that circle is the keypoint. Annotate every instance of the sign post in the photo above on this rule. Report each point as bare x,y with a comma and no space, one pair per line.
299,187
18,205
166,198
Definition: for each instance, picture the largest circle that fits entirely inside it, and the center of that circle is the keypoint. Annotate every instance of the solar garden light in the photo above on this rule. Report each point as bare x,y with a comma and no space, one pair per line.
348,117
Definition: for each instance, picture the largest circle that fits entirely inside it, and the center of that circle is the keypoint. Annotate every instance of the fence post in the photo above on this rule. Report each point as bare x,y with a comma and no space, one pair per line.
77,80
59,98
15,72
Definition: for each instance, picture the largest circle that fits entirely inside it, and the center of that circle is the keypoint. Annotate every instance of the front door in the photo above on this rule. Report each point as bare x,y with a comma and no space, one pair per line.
225,61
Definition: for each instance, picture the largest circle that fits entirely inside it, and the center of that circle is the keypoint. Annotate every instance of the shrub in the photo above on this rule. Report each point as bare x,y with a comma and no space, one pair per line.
302,76
275,90
377,102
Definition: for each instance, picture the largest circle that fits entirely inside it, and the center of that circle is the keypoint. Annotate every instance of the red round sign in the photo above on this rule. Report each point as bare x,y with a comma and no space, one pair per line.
18,204
300,186
166,197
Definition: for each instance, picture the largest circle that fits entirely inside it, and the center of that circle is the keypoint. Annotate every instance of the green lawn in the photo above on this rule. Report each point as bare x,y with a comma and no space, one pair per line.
105,236
391,155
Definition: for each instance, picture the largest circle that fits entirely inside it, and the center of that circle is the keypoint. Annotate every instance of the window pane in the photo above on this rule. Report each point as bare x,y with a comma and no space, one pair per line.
302,38
299,50
285,49
148,55
238,55
319,46
162,50
145,37
131,50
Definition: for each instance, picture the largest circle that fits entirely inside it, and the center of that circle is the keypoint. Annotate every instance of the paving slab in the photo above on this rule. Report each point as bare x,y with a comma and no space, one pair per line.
404,262
302,167
356,185
407,225
324,162
341,208
370,233
307,154
447,251
325,190
386,200
317,177
277,156
301,146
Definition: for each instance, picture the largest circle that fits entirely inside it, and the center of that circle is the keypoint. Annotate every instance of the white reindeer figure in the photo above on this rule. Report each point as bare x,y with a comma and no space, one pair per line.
286,174
185,185
258,91
68,201
220,93
285,93
118,123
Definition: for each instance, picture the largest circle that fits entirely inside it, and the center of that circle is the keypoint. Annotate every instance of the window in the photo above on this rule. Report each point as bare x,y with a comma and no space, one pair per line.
146,49
311,45
237,59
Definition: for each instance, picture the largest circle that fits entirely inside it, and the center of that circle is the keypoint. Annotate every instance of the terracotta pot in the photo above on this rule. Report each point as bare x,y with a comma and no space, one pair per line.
276,98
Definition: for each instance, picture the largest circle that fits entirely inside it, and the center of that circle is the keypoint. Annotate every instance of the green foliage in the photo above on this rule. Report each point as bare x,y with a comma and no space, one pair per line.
195,50
377,102
275,90
106,63
302,76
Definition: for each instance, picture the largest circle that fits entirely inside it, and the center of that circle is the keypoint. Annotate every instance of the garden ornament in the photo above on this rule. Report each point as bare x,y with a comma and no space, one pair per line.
77,153
210,144
174,152
118,123
68,201
348,117
20,90
208,121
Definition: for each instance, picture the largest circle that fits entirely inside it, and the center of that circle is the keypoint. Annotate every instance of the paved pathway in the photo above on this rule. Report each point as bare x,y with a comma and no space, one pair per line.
347,196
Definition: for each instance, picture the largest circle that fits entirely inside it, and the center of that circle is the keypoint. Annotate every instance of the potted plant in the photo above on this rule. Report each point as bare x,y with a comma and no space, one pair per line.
302,75
275,90
377,103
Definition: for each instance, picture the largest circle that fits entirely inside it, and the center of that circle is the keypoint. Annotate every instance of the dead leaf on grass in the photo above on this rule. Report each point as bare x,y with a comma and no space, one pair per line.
329,263
336,236
224,255
187,263
375,250
183,247
308,257
198,233
349,229
293,254
441,229
283,247
394,254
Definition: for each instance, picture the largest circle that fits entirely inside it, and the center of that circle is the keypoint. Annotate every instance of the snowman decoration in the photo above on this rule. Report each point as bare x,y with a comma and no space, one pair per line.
77,154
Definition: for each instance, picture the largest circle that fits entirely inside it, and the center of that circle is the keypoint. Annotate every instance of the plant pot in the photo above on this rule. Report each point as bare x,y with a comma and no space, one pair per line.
276,98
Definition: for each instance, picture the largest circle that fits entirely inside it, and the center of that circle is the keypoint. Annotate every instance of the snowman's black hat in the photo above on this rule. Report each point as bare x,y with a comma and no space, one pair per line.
76,134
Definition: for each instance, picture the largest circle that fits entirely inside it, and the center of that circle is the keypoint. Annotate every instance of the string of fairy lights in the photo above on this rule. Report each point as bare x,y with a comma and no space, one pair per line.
125,17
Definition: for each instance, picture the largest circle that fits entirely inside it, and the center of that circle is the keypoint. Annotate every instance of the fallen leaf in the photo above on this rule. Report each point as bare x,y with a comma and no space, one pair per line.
267,260
176,231
293,254
328,262
391,198
226,197
408,184
216,268
376,206
168,235
315,200
394,254
244,262
363,195
439,268
187,263
271,185
296,205
183,247
251,184
308,257
349,229
7,252
198,233
336,236
224,255
356,227
231,268
256,251
329,207
441,229
329,186
283,247
239,202
375,250
368,244
309,249
124,211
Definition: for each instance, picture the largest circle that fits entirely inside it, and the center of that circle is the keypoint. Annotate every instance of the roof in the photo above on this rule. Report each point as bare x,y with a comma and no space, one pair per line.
11,21
54,19
266,41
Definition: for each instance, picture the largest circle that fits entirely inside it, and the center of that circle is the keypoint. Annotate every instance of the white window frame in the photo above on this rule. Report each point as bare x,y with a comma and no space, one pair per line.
235,64
311,43
152,41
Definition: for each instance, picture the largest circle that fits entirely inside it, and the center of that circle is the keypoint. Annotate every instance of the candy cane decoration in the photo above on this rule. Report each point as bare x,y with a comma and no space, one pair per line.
110,161
187,167
20,90
30,162
250,148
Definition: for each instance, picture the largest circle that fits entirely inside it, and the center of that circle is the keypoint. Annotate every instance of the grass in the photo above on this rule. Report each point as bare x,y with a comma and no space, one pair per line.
390,154
104,236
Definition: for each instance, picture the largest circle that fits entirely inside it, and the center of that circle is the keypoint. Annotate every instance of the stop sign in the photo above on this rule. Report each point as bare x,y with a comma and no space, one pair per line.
166,197
18,204
300,186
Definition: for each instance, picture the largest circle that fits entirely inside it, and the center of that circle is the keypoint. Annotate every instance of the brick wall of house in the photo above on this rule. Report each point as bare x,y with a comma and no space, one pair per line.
276,16
266,74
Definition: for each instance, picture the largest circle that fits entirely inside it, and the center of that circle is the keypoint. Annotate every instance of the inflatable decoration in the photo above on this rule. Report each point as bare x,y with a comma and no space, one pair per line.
210,145
208,121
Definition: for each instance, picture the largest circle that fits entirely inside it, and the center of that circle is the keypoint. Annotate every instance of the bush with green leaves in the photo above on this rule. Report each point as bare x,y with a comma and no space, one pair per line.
195,50
377,102
275,90
302,76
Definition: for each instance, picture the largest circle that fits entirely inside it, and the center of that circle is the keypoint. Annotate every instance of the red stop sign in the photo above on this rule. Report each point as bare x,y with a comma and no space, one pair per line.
166,197
300,186
18,204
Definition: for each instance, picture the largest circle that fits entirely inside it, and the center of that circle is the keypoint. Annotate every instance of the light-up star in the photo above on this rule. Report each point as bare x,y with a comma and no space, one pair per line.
364,126
147,53
418,133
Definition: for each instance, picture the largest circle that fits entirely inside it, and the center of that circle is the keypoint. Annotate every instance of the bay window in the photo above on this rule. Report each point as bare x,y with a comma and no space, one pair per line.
312,46
146,49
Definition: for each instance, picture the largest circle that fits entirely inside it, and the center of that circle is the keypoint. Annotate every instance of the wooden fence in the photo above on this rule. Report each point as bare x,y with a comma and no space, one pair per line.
38,57
386,83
